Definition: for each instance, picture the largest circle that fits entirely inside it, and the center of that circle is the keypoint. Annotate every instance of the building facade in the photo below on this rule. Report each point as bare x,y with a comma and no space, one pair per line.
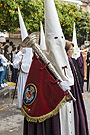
85,4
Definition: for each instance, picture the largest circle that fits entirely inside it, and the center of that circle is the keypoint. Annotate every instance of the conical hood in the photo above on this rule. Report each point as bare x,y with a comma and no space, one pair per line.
42,38
24,33
74,41
52,24
55,43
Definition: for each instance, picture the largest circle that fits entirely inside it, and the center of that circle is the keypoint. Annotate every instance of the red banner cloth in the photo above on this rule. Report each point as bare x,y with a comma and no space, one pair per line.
41,95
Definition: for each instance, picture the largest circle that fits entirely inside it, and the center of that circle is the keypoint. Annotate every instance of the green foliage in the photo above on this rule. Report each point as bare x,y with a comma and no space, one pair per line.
33,12
83,25
68,14
8,15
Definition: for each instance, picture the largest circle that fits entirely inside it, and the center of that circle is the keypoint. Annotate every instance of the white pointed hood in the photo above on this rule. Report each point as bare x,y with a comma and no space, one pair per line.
42,38
74,41
55,42
28,54
24,33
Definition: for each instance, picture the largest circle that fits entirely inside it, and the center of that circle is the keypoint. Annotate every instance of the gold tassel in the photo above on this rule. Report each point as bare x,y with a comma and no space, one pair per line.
47,116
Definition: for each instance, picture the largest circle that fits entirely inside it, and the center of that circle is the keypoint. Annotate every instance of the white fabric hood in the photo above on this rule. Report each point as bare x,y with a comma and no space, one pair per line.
27,56
42,38
55,42
74,41
24,33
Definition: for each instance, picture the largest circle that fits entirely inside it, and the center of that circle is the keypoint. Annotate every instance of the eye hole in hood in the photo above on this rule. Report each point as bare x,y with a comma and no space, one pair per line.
55,37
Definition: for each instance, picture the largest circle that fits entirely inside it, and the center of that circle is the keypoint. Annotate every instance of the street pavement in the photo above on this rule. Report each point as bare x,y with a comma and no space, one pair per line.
11,119
86,98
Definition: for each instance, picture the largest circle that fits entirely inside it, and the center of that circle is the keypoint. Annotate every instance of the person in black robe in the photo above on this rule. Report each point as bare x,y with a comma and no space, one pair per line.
50,126
81,124
79,66
88,70
80,62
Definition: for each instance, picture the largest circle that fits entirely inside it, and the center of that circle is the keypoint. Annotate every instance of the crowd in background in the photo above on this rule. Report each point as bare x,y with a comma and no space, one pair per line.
7,72
86,48
10,74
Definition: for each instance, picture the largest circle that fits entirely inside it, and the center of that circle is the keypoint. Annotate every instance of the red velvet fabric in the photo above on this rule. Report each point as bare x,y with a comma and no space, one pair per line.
47,95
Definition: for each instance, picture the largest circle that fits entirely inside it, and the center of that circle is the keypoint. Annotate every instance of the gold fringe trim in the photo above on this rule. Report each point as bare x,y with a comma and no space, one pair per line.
47,116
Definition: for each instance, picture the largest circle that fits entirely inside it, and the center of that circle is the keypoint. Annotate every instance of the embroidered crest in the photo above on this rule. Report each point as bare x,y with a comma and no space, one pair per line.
30,94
